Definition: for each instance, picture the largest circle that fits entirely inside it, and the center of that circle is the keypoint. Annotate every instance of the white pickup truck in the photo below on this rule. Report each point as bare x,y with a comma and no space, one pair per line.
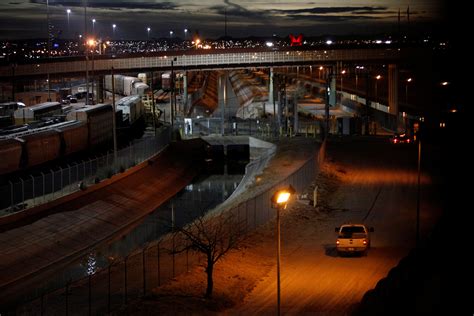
353,238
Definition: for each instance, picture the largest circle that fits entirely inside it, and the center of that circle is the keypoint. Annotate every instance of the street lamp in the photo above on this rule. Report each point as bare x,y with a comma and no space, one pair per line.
406,89
279,201
320,68
92,43
113,30
148,29
171,34
68,11
342,75
378,78
93,26
185,33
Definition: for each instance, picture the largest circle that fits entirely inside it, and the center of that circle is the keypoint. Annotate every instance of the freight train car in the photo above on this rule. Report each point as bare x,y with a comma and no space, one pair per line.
36,112
32,147
41,147
99,122
132,109
10,151
125,85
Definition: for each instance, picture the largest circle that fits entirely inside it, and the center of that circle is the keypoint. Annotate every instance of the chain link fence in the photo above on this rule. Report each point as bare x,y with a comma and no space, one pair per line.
134,276
60,181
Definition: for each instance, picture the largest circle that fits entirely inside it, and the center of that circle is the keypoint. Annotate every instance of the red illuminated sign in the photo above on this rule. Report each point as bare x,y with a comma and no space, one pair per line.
296,40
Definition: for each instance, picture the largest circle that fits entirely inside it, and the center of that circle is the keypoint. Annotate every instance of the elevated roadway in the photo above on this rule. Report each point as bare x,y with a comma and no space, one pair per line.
202,59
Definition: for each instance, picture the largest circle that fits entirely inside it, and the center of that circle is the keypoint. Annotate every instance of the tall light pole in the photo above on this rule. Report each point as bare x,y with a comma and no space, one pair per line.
418,195
68,11
172,99
406,89
93,26
49,48
342,75
185,33
377,79
148,29
92,43
171,34
113,30
280,201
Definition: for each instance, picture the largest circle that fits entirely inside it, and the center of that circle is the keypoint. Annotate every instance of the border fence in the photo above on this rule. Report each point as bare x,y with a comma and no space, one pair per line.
58,182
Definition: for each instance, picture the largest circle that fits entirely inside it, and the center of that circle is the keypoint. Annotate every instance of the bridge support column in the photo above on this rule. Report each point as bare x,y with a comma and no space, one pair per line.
100,90
185,92
332,88
393,93
270,88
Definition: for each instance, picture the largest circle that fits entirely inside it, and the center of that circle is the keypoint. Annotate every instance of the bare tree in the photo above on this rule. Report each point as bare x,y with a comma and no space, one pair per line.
212,236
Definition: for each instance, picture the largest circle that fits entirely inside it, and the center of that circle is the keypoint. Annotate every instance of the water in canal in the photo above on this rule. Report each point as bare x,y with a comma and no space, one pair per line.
203,194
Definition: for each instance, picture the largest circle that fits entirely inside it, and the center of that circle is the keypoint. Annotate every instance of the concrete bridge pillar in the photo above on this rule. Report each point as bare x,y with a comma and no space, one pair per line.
332,87
185,91
393,90
270,88
100,90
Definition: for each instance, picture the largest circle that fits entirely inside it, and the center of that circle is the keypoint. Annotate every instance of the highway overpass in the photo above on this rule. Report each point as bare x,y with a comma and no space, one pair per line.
192,60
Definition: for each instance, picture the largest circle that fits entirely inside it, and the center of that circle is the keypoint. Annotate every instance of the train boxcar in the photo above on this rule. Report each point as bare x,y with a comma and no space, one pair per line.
125,85
166,81
10,151
132,108
99,122
74,136
36,112
41,147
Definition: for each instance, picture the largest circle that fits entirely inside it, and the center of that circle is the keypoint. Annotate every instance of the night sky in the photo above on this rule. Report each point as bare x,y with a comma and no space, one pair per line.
27,19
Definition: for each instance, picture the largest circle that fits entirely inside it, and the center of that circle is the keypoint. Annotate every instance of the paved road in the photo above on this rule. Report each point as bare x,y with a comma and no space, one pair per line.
379,188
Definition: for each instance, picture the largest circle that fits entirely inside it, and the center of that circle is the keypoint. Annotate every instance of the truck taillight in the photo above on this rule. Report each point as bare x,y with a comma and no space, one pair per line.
364,242
337,242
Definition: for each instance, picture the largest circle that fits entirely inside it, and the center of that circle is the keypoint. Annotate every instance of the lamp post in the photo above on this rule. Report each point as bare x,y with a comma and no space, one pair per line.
113,30
378,78
279,201
148,29
172,99
406,89
68,11
342,75
320,68
185,33
93,26
92,43
171,34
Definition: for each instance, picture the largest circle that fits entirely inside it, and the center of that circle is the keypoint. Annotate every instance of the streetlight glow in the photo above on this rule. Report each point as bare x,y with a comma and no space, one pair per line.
279,201
283,197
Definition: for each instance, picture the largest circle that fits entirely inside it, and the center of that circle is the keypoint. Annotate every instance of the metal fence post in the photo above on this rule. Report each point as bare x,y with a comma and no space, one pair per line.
144,271
158,262
62,184
108,289
67,298
33,184
44,188
52,184
22,191
42,304
69,182
11,193
125,281
90,294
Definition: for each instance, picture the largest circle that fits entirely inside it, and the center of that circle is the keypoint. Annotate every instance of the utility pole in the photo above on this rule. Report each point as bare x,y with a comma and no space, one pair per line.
49,48
153,100
113,115
87,52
